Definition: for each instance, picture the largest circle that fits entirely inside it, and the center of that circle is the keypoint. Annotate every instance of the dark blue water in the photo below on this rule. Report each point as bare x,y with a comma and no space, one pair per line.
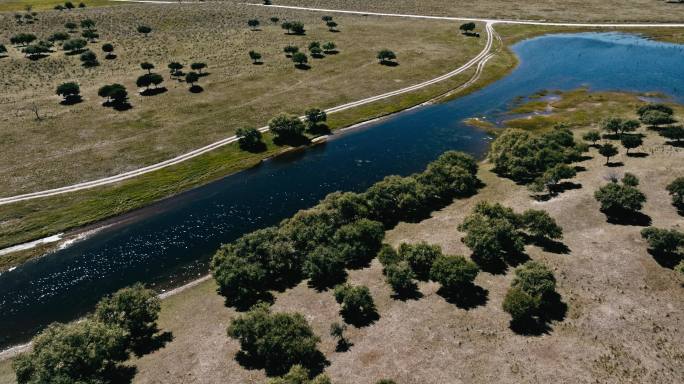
172,243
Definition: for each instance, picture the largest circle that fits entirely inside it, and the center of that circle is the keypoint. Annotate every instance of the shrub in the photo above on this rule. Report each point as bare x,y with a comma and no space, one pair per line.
630,179
299,375
324,266
453,272
676,190
655,107
144,29
286,126
619,198
74,45
134,309
386,56
70,91
519,304
359,242
420,257
89,59
300,58
249,138
539,224
82,352
531,290
315,116
655,118
663,241
400,277
277,341
387,256
357,306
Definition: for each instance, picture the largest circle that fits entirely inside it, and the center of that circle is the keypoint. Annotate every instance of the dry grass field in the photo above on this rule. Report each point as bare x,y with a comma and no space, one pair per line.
550,10
85,141
625,310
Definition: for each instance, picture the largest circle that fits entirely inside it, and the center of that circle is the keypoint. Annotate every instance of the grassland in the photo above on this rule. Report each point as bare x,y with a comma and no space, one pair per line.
622,326
546,10
40,5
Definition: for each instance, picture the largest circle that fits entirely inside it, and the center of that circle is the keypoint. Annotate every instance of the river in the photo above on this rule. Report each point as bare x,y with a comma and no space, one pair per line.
172,242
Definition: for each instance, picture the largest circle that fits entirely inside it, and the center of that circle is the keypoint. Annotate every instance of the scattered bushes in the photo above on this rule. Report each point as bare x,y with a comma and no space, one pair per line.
275,341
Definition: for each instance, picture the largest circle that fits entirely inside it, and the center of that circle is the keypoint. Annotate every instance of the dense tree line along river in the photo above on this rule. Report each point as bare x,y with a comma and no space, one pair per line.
171,243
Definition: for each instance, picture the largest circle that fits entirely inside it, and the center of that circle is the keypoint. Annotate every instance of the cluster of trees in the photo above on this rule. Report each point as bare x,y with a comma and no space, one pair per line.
345,230
293,27
621,199
538,160
90,351
277,342
315,48
531,295
29,17
657,115
425,262
68,5
496,234
287,127
115,96
149,79
330,23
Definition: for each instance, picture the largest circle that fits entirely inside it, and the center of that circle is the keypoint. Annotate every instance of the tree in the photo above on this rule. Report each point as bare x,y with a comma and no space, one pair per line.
255,56
290,50
324,267
191,78
147,66
629,126
58,36
357,306
114,93
630,179
298,374
618,198
329,47
88,24
144,29
608,150
276,340
81,352
454,273
286,126
492,233
74,45
90,34
287,25
631,141
149,79
71,26
70,91
37,50
249,138
668,242
3,50
23,39
332,26
541,225
675,133
676,190
337,331
467,27
89,59
613,125
175,68
550,179
386,56
198,67
108,49
297,27
420,257
81,5
531,290
359,241
592,136
274,20
326,18
253,24
655,118
387,256
315,116
69,5
300,59
401,277
134,309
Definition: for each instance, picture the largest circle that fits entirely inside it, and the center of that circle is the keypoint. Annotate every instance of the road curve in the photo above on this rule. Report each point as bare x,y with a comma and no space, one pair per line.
478,60
197,152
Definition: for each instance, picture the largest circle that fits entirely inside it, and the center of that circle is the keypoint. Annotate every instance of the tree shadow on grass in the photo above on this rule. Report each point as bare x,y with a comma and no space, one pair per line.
157,342
678,144
257,147
37,57
71,100
120,374
110,56
360,319
389,63
321,285
615,164
553,309
243,304
292,141
557,190
408,294
196,89
153,91
343,345
468,297
637,154
319,129
666,259
627,218
314,364
75,52
303,67
332,52
118,106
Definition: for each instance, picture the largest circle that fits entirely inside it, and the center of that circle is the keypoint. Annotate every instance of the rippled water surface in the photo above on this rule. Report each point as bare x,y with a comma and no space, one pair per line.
172,243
